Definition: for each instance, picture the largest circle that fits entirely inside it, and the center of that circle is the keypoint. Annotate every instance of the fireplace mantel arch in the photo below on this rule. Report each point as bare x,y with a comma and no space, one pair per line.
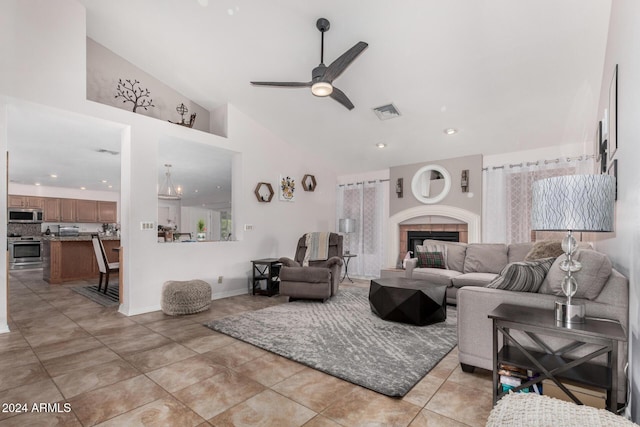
472,220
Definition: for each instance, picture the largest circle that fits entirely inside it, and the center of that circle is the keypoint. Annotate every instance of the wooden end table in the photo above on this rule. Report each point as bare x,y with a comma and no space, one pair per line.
553,364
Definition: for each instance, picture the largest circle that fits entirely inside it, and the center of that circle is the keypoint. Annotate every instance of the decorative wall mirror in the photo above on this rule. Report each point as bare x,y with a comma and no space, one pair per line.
201,177
427,180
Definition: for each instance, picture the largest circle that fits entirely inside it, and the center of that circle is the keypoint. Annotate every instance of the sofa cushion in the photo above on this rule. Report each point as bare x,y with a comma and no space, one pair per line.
596,269
433,247
523,276
435,276
485,258
430,260
517,251
545,249
473,279
305,274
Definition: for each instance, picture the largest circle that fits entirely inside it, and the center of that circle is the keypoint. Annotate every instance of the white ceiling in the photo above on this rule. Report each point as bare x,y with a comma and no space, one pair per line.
508,74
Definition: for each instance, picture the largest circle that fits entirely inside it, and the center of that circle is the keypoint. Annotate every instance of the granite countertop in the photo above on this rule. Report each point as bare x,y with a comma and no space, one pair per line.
79,238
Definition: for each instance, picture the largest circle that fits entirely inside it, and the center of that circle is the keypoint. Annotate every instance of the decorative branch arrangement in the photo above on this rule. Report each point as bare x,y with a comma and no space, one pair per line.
130,91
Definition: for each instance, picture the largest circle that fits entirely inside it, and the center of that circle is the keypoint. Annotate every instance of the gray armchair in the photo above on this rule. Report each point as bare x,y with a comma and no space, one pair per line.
320,280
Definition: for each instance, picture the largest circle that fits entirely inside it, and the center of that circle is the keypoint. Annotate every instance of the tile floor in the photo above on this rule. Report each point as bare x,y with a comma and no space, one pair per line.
152,369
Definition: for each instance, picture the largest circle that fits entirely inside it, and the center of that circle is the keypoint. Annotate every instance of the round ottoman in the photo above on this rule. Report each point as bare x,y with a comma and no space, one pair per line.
185,297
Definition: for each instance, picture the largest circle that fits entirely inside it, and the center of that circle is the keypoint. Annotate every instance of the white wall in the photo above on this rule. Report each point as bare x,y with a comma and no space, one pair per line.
623,246
42,46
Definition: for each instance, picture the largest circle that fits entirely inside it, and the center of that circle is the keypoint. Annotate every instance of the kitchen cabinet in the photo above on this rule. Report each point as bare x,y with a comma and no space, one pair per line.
73,258
25,202
68,210
86,211
51,210
107,212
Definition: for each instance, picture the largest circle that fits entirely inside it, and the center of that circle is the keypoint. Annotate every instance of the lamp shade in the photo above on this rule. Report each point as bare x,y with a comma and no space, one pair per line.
573,202
347,225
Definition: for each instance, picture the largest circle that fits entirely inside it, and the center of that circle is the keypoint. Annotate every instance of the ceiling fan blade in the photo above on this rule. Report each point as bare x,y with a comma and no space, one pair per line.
282,84
339,96
339,65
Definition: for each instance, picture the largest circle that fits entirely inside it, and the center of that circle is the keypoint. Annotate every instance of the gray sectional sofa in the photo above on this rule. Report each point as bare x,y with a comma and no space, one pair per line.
604,291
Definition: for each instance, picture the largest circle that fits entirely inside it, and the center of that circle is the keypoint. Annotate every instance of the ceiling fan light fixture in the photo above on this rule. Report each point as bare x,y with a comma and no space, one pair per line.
322,89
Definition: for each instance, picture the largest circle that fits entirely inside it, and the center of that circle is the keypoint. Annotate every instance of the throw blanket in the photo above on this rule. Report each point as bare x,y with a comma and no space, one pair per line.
317,247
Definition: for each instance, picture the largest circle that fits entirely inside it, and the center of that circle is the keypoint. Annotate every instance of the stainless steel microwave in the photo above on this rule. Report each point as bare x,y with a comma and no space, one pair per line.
29,216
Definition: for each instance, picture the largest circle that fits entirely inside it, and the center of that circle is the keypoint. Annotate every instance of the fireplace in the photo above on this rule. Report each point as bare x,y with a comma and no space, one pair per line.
416,237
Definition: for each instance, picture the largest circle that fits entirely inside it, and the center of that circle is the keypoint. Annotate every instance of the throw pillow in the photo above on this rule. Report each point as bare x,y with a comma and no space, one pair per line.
545,249
596,269
428,247
522,276
430,260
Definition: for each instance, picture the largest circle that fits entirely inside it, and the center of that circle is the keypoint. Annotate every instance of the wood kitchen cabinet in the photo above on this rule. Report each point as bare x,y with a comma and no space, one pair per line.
107,212
66,260
14,201
68,210
35,202
51,211
86,211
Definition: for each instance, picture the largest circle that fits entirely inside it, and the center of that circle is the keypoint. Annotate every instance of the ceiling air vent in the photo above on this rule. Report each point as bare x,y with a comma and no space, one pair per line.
386,112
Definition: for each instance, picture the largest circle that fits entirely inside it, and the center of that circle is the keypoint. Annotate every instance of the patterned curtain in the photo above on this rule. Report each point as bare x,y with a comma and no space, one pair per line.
365,203
506,203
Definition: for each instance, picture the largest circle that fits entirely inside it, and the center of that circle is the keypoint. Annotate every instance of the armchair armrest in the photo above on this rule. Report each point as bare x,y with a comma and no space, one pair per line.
334,260
409,266
288,262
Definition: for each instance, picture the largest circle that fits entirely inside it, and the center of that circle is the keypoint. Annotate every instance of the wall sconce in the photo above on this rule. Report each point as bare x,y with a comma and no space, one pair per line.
399,191
464,181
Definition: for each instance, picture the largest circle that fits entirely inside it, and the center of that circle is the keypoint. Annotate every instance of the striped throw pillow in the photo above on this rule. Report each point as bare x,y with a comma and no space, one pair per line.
523,276
430,260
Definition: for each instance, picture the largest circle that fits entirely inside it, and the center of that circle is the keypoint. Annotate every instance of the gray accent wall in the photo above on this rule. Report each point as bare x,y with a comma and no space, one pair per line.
455,197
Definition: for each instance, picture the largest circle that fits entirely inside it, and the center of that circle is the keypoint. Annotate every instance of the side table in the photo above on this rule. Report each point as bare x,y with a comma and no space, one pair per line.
267,269
554,364
346,258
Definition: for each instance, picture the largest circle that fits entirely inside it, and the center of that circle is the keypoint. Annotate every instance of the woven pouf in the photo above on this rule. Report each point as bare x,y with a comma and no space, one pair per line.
185,297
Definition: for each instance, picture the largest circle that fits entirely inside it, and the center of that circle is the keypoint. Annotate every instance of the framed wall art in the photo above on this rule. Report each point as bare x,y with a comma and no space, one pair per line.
287,188
612,146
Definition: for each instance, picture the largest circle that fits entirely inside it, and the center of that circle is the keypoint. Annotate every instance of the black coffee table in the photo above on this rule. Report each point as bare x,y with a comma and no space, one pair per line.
407,300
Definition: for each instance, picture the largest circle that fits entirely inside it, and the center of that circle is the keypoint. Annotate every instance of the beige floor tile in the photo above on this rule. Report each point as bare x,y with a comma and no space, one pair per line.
57,336
265,409
321,421
162,412
138,344
12,341
480,378
270,369
18,357
314,389
420,394
368,408
461,403
185,373
183,333
103,326
426,418
107,402
158,357
235,353
44,391
216,394
150,317
171,323
208,343
43,419
65,348
95,376
83,359
21,375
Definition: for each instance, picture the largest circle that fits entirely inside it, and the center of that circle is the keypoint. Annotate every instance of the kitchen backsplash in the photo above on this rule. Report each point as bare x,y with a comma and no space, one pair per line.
24,229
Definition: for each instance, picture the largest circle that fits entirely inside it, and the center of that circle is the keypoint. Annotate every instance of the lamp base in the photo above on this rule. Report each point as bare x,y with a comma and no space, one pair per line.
570,313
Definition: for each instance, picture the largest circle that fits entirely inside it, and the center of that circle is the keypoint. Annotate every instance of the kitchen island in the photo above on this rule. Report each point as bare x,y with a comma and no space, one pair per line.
69,258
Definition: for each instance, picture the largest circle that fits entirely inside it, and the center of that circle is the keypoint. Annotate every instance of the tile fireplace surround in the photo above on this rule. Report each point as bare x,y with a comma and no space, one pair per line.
404,228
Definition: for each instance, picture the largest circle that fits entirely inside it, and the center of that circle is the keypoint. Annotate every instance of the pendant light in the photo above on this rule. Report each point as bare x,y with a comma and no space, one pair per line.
167,190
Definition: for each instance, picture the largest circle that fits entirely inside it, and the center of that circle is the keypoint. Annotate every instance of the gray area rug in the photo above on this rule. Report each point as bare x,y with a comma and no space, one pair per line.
111,298
343,338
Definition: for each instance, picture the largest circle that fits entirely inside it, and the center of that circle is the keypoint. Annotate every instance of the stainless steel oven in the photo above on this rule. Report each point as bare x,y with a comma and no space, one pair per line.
25,253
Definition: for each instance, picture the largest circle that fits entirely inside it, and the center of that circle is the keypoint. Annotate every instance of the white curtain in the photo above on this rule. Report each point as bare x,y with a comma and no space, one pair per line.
506,204
365,203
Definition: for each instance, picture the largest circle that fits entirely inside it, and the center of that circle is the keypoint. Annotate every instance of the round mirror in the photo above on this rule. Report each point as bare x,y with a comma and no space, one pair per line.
422,182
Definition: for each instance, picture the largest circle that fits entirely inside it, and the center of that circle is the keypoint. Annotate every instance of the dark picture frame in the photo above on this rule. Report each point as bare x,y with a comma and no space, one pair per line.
612,146
603,156
613,171
597,150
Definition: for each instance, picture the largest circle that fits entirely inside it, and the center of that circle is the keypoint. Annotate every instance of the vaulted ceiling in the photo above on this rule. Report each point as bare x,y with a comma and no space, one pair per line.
507,74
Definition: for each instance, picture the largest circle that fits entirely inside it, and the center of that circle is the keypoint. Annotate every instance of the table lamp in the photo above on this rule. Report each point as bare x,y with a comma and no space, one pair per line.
347,226
572,203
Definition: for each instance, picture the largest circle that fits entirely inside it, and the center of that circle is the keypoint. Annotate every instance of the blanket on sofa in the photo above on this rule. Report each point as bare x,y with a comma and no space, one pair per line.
317,247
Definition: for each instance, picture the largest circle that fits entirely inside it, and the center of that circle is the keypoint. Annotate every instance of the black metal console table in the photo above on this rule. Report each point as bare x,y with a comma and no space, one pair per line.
268,270
553,364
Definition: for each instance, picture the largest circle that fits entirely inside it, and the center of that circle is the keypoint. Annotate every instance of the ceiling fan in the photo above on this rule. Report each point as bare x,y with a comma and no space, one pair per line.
322,77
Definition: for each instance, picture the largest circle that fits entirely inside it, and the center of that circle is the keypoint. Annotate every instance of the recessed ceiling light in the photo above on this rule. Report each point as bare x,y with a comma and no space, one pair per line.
53,175
83,188
450,131
218,187
37,183
195,191
110,186
381,145
104,181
